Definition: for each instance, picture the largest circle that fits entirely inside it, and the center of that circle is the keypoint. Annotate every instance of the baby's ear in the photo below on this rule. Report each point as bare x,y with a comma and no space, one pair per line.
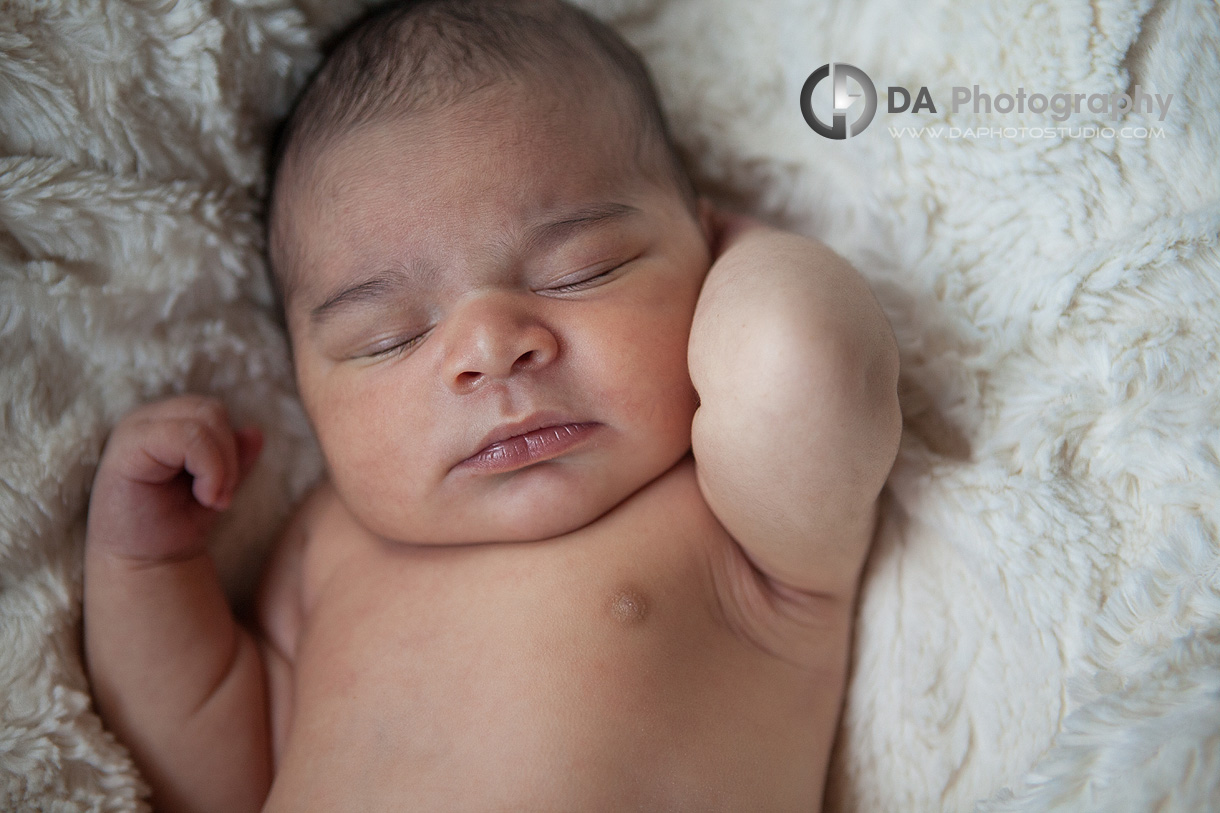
707,221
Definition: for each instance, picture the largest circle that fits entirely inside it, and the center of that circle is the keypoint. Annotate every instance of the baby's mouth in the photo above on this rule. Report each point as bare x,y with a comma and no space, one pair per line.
527,447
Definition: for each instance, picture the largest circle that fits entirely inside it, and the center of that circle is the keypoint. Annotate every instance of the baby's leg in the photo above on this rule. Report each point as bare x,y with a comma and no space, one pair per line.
173,674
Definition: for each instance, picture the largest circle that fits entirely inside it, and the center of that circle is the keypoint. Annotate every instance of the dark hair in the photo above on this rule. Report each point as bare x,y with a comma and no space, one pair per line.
421,55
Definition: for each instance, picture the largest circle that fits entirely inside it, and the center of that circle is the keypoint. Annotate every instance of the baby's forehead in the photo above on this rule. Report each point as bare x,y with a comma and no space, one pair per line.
421,180
596,133
610,137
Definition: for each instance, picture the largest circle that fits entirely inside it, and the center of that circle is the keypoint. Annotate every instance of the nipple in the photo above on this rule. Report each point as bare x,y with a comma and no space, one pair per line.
628,606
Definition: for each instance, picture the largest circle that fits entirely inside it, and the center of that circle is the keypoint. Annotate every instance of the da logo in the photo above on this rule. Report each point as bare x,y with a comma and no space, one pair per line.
839,73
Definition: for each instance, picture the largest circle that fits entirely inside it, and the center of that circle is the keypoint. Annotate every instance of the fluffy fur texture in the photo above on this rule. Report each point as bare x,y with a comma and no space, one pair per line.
1040,620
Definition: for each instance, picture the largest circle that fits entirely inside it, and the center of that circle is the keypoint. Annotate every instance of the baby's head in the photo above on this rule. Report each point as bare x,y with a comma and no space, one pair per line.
479,228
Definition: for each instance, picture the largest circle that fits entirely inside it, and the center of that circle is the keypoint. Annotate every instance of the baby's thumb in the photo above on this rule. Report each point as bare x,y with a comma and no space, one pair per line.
249,445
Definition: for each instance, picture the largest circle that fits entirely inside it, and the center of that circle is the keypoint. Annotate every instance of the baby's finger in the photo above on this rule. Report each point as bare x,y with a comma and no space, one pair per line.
214,417
150,446
161,450
210,458
249,445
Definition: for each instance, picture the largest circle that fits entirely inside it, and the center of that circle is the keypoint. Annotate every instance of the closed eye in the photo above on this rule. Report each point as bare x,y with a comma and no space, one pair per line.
393,347
588,282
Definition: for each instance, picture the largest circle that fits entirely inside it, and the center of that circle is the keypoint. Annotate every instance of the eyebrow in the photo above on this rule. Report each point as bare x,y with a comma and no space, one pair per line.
556,230
367,290
388,281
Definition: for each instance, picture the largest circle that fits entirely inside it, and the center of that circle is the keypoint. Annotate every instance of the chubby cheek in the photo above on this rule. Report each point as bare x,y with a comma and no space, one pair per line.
370,440
645,365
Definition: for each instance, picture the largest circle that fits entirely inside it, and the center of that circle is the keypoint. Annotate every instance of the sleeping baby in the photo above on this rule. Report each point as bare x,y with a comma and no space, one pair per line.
602,463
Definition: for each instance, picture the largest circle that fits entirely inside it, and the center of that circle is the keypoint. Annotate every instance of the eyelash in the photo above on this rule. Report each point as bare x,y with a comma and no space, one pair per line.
576,286
396,348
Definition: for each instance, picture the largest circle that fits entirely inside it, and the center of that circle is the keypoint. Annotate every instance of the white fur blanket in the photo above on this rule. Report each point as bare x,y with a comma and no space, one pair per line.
1040,621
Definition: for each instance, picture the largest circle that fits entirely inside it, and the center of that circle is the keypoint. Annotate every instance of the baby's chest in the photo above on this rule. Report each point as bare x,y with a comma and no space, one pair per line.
631,589
605,657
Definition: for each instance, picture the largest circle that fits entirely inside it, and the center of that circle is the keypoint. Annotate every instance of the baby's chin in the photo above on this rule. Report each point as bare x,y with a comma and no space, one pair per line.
555,522
530,515
504,530
538,521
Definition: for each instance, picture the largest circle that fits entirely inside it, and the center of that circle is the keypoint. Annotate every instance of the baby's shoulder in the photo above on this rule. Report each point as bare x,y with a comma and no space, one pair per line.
317,509
320,505
291,575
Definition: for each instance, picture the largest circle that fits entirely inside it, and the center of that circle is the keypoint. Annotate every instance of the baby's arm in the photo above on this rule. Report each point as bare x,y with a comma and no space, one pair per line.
172,673
796,369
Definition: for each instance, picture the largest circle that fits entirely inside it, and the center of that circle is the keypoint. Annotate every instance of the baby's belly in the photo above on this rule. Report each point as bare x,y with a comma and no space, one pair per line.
592,672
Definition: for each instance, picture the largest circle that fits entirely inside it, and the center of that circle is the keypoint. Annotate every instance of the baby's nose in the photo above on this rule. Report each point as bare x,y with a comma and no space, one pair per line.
494,336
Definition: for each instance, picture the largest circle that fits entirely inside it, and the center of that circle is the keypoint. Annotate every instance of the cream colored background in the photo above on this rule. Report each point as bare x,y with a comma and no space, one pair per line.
1040,622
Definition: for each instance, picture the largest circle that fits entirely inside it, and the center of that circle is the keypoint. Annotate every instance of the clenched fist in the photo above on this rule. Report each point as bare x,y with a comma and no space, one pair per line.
168,469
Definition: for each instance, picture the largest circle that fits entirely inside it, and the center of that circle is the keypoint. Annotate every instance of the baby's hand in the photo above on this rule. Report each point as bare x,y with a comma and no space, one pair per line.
166,472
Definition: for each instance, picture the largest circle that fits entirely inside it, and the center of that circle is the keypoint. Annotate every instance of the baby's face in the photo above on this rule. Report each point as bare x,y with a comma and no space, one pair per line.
460,286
